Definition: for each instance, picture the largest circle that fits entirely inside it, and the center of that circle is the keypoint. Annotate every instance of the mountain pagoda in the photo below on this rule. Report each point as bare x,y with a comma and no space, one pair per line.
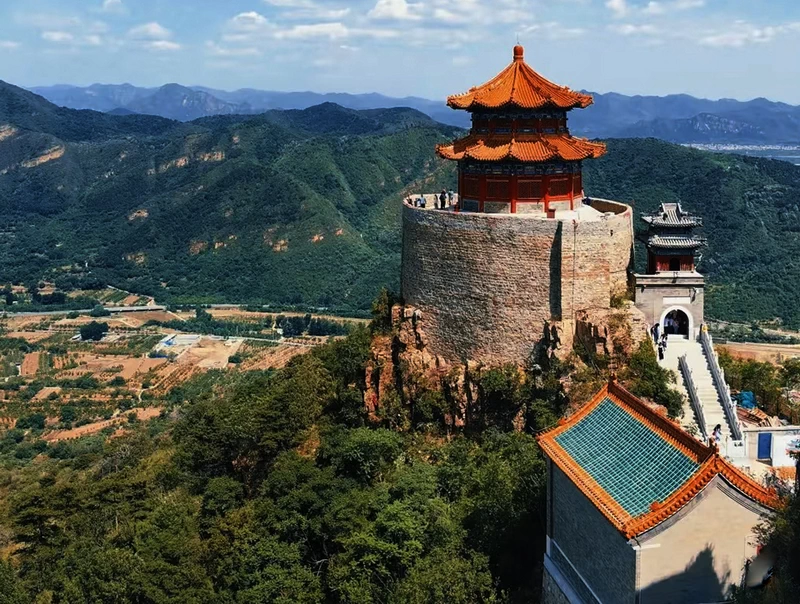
672,292
519,155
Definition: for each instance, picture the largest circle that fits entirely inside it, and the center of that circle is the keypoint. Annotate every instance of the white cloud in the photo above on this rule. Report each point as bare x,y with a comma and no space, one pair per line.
331,31
154,37
447,16
290,3
396,9
248,22
161,45
217,50
9,45
150,31
629,29
553,30
659,7
113,6
620,8
58,37
654,8
307,9
742,34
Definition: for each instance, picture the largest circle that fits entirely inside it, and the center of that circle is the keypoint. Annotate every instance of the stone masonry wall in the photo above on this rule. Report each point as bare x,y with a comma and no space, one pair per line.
487,284
596,549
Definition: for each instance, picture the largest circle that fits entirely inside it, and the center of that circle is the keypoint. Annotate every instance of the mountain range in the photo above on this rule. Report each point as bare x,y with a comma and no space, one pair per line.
675,118
303,206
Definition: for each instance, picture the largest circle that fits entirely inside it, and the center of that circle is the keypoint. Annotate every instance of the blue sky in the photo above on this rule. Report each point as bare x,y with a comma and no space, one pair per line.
428,48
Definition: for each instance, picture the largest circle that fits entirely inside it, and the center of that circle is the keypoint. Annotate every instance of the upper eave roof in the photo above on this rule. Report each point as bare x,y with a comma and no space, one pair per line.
709,465
519,86
672,215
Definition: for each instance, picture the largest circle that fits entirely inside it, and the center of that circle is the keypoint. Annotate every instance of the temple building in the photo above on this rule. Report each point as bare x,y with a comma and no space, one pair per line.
524,249
671,293
519,155
640,511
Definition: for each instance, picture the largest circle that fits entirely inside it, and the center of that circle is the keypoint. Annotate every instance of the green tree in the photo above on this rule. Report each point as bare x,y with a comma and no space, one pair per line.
11,589
93,331
649,380
99,311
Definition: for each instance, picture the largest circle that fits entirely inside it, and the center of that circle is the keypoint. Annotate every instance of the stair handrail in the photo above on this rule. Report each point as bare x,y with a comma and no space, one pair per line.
724,391
694,397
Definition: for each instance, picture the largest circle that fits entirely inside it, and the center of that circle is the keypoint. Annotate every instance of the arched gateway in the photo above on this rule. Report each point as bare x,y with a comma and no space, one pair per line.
677,321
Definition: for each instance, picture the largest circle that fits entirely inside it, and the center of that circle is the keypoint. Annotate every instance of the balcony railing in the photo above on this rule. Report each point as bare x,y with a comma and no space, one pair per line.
694,397
723,389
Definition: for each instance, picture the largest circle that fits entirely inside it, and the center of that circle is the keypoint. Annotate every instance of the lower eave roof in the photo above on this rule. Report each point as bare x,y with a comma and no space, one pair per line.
521,147
597,461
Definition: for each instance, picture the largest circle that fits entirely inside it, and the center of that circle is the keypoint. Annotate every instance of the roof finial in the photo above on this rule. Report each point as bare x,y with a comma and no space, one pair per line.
519,52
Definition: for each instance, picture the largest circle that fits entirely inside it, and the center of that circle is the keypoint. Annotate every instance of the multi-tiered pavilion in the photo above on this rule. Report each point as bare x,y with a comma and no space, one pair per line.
519,155
671,293
525,251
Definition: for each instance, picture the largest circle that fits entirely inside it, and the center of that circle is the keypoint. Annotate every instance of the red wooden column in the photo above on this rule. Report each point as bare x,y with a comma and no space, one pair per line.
514,190
460,190
571,191
482,196
546,192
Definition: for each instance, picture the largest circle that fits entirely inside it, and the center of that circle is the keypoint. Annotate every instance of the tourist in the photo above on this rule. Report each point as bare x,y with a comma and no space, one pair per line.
660,351
717,434
422,201
450,196
443,199
654,331
664,341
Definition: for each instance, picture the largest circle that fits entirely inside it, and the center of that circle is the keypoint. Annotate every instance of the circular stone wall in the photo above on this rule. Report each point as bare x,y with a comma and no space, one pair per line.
485,284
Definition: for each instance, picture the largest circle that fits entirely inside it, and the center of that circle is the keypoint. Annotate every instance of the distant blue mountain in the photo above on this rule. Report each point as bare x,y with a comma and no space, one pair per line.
678,118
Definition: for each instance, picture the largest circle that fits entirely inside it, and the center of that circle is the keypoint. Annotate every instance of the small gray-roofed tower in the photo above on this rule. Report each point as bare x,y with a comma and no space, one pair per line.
671,293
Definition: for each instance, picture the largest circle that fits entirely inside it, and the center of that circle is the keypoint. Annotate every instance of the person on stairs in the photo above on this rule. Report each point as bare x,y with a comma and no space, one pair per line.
716,435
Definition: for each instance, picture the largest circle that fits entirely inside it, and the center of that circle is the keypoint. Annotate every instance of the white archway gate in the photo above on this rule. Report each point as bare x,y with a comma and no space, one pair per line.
685,311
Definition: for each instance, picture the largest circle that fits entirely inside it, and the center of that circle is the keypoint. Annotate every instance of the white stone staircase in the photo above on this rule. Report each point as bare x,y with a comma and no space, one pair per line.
712,406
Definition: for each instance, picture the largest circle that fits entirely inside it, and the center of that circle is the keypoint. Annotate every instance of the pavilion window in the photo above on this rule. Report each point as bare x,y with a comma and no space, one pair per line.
497,188
530,188
560,187
472,187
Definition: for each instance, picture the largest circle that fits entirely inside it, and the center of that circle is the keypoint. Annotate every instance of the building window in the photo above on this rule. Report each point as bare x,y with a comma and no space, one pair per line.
497,189
560,187
472,187
530,188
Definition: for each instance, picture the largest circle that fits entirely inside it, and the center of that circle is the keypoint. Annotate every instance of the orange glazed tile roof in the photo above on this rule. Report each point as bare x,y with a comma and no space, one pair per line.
520,86
684,452
522,147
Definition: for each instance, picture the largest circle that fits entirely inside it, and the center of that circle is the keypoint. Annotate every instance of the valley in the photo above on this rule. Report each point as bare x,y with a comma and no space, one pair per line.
139,365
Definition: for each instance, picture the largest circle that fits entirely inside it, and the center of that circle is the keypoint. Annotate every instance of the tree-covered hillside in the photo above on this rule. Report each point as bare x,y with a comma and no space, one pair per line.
751,213
292,207
303,207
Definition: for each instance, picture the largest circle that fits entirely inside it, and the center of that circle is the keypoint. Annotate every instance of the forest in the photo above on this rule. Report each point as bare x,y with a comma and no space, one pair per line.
275,486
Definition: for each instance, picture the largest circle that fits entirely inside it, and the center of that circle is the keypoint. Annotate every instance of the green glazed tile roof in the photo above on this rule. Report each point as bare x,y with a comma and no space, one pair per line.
631,463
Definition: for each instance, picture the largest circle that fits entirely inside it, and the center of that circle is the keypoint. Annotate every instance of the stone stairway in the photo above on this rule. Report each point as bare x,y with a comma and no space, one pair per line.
713,410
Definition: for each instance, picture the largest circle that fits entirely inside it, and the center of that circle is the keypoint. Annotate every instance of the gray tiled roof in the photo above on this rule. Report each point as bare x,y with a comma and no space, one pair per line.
672,215
676,242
